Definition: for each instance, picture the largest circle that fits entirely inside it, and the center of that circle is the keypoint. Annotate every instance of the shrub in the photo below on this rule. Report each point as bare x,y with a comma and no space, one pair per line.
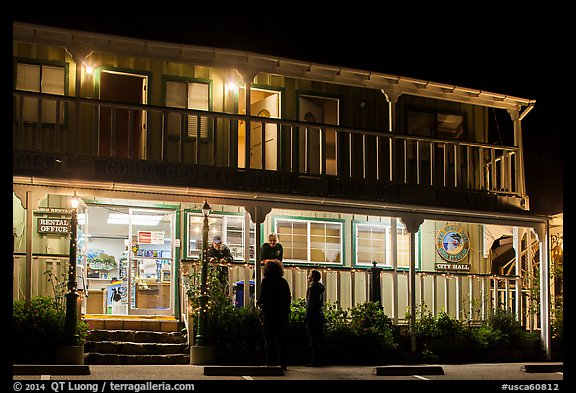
38,329
505,326
369,320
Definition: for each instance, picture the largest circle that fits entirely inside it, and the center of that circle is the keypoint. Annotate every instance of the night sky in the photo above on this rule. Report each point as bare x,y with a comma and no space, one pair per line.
519,59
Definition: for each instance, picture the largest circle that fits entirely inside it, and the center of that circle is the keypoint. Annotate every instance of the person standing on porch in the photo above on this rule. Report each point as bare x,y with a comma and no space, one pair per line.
315,316
271,250
274,302
219,254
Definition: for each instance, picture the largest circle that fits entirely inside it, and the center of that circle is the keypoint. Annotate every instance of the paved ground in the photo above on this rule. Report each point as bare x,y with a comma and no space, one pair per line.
514,373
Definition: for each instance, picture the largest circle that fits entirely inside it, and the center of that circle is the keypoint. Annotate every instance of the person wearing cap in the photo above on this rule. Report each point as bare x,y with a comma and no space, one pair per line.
219,254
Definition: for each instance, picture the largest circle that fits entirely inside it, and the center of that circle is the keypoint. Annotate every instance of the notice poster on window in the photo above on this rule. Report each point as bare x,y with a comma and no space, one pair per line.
150,237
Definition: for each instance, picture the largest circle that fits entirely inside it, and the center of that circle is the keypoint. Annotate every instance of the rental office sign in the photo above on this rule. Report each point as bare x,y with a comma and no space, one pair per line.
53,224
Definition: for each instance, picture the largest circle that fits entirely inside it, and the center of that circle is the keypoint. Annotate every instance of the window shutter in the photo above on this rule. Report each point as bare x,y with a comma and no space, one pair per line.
52,83
176,98
28,79
198,99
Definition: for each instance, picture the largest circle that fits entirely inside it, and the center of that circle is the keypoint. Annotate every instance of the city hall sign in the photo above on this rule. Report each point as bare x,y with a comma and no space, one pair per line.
452,244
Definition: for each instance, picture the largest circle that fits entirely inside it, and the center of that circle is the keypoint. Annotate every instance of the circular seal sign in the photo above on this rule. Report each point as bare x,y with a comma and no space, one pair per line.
452,243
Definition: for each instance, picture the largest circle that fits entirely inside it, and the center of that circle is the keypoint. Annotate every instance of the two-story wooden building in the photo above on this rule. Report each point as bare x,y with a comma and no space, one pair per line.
347,166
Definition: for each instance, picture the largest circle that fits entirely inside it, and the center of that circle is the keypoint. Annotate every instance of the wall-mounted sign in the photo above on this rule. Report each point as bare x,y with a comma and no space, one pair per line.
150,237
452,243
53,225
459,267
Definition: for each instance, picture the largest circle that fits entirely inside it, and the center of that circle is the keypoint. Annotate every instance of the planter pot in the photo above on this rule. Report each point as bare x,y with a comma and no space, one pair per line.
201,355
70,354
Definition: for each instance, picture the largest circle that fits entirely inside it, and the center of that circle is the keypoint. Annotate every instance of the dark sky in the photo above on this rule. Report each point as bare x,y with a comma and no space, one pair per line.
506,54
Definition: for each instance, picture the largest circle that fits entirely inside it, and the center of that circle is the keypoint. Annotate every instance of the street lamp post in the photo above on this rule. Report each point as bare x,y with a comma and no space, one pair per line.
71,322
202,336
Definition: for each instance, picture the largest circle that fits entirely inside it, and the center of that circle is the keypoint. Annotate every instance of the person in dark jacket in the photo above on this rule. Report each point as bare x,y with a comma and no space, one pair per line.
219,254
315,316
271,250
274,302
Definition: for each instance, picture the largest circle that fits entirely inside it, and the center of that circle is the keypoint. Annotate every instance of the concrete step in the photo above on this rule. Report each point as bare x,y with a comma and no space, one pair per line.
131,348
137,336
107,358
136,347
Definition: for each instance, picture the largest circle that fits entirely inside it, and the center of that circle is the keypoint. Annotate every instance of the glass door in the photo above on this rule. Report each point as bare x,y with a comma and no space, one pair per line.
151,267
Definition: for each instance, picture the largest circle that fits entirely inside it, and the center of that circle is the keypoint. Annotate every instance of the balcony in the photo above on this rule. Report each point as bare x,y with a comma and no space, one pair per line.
107,141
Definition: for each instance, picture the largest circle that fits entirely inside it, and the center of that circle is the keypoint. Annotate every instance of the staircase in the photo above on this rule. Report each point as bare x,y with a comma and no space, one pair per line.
133,341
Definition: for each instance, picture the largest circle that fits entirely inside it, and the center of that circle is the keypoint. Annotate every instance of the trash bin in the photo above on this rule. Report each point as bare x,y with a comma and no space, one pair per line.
239,292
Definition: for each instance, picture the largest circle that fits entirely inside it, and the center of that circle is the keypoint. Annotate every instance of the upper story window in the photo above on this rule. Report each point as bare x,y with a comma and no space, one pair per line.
443,125
188,95
40,78
310,241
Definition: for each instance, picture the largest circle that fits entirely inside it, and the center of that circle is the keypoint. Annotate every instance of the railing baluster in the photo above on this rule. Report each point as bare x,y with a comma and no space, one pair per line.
322,150
198,136
214,134
38,128
418,163
113,132
183,133
55,138
130,132
263,144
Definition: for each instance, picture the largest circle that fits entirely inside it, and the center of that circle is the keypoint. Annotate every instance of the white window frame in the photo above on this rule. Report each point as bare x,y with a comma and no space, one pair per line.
31,105
188,102
308,222
402,245
238,255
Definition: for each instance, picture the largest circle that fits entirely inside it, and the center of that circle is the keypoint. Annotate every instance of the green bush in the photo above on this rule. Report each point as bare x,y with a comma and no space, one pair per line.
505,327
38,329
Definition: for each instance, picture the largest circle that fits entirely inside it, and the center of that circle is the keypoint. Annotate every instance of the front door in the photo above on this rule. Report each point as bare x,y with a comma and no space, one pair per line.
151,273
121,128
129,264
265,104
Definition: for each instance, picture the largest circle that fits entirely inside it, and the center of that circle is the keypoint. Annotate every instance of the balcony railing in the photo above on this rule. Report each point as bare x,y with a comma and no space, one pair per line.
88,127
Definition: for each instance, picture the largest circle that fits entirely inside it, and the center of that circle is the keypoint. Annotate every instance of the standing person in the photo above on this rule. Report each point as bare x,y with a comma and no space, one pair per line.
315,316
274,302
271,250
219,253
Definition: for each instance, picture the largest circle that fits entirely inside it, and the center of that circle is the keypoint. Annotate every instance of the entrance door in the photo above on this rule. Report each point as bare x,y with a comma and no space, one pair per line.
151,272
121,129
129,260
267,107
264,103
318,110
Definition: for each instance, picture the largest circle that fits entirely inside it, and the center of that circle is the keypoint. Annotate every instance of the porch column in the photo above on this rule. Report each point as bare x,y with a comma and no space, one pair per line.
258,215
79,55
247,74
392,94
543,232
412,224
517,235
517,120
394,255
29,201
